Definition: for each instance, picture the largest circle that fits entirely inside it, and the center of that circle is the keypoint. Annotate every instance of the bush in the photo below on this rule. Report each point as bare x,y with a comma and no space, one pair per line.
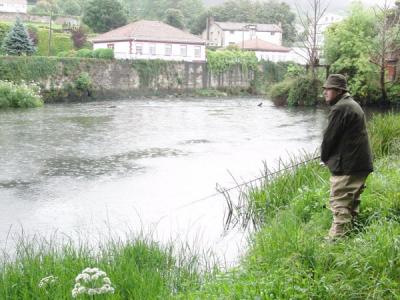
21,95
86,53
70,53
304,92
83,82
103,53
279,92
394,93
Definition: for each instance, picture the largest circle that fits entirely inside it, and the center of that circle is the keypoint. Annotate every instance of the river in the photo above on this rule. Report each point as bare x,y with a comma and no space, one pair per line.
102,169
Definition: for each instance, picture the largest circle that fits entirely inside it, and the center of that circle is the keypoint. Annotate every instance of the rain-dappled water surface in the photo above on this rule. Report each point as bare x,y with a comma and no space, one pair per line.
124,166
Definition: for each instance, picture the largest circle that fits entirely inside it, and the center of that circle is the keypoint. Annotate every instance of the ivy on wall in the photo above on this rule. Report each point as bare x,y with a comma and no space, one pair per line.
225,60
149,71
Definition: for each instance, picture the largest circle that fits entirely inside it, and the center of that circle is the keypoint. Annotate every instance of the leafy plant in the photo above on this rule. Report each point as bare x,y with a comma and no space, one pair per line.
19,95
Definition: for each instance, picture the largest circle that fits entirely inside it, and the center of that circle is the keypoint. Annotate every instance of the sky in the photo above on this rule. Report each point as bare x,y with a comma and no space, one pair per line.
335,6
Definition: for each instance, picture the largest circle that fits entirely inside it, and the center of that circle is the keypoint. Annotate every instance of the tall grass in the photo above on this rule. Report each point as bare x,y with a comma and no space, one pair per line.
138,268
20,95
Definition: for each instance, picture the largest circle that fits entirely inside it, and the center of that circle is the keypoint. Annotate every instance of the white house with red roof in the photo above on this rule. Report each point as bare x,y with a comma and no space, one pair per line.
152,40
269,51
223,34
14,6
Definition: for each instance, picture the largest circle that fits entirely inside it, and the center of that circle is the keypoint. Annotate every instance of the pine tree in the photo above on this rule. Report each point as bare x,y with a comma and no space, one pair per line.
17,41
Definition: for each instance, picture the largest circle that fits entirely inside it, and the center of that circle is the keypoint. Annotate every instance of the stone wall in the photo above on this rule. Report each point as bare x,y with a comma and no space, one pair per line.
128,78
58,76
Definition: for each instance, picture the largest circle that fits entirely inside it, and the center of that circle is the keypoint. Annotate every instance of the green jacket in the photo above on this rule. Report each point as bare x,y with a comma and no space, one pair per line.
345,146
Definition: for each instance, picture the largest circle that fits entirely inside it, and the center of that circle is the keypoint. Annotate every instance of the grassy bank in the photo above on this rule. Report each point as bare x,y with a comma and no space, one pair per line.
288,258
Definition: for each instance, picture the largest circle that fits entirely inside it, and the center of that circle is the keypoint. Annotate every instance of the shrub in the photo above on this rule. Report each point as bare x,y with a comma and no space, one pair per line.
21,95
304,91
103,53
87,53
83,82
394,93
279,92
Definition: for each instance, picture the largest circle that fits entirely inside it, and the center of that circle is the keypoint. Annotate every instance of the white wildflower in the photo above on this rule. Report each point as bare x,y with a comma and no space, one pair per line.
92,281
47,281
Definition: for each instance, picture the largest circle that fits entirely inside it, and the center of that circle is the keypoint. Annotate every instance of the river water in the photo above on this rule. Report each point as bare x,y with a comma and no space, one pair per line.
115,167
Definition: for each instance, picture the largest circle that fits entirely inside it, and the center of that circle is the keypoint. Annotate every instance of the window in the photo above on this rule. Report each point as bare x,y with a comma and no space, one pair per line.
139,49
232,32
183,50
110,46
273,33
152,49
168,49
197,51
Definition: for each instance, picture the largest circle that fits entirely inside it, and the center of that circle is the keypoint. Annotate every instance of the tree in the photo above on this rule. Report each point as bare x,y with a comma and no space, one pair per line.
70,7
387,29
174,17
104,15
347,49
17,41
79,37
310,20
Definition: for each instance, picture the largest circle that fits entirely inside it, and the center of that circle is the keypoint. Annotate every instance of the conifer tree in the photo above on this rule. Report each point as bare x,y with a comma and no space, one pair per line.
17,41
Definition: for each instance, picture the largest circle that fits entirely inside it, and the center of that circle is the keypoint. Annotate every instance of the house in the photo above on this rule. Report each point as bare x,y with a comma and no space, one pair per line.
223,34
265,50
326,20
152,40
14,6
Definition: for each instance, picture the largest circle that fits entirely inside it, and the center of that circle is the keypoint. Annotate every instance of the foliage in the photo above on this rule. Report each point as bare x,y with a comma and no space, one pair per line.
70,7
17,41
104,15
103,53
87,53
79,37
19,95
304,91
394,93
26,68
59,42
83,82
224,60
279,92
347,48
4,29
150,70
191,10
174,17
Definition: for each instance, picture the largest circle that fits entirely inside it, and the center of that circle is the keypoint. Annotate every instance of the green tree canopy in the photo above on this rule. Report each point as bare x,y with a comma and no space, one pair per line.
347,49
17,41
104,15
70,7
174,17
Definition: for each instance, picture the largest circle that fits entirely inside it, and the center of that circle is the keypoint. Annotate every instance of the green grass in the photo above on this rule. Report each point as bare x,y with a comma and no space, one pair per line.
138,269
287,259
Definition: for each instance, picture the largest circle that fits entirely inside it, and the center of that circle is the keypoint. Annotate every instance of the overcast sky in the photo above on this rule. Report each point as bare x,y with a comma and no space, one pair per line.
334,5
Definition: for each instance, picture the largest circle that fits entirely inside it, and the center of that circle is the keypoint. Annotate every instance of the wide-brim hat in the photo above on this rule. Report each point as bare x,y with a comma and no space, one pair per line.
336,81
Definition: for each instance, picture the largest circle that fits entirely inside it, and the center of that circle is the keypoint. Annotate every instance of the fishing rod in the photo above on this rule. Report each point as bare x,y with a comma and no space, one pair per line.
221,190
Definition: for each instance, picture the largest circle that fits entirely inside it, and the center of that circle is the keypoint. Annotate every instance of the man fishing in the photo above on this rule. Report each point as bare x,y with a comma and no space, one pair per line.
346,151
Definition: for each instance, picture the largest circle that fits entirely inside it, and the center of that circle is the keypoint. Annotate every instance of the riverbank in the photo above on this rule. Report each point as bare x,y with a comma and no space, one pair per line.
287,258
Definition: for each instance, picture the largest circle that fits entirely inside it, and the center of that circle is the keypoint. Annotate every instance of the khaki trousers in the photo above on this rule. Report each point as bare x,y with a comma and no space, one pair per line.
344,202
